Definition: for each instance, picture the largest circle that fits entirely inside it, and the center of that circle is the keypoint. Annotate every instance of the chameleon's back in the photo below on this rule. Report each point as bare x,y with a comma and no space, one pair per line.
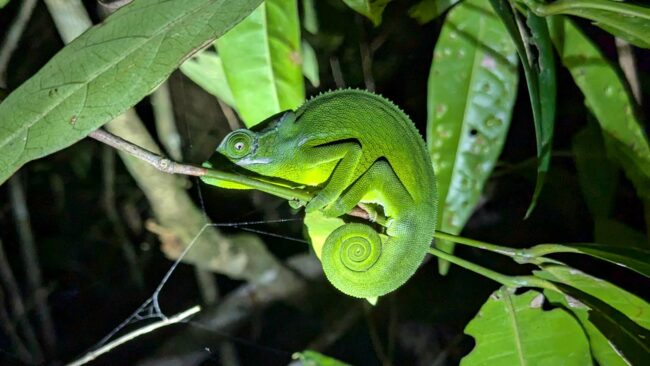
382,129
408,188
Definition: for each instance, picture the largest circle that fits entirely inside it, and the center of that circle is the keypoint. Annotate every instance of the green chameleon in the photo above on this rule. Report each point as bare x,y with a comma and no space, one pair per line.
355,148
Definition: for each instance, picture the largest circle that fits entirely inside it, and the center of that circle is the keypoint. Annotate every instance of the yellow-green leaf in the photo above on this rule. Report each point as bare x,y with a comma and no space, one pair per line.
472,88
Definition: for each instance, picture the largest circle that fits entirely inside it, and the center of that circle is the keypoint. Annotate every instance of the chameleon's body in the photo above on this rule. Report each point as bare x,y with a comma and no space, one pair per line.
358,148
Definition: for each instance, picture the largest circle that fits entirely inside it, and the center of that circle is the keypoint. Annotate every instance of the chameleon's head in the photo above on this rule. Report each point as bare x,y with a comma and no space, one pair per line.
264,149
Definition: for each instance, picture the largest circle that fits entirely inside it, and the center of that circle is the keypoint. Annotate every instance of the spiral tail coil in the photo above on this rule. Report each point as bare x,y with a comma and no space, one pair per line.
350,256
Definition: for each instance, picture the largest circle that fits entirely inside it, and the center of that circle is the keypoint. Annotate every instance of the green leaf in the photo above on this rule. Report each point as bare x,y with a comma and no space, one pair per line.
309,17
616,232
632,306
371,9
313,358
471,91
206,69
601,349
634,258
627,21
607,98
310,64
540,77
428,10
3,3
514,330
261,58
598,177
105,71
621,317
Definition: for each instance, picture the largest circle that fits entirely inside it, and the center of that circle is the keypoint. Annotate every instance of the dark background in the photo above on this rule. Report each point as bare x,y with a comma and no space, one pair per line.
90,292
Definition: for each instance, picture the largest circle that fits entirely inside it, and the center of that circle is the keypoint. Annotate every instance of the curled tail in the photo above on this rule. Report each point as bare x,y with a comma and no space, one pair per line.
359,263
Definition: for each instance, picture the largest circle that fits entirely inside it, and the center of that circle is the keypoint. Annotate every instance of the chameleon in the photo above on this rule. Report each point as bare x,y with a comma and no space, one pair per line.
354,148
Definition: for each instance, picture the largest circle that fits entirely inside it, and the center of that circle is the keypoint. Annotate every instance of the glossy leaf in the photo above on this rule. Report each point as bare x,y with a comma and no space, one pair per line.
428,10
630,305
472,88
310,64
106,70
313,358
539,69
261,58
628,21
206,69
371,9
601,349
597,175
634,258
618,233
607,98
514,330
309,17
609,309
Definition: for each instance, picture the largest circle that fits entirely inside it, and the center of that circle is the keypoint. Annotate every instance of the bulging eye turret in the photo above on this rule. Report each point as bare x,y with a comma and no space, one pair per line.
237,144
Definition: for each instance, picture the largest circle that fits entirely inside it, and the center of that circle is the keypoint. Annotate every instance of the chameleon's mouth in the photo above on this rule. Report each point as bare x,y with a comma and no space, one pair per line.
247,161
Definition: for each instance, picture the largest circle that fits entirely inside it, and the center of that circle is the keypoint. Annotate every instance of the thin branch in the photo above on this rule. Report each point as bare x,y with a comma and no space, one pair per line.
627,62
17,306
30,260
108,200
13,37
136,333
160,163
166,165
9,329
166,129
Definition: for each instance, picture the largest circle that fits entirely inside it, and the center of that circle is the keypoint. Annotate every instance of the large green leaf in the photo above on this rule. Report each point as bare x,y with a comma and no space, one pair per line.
634,258
371,9
514,330
628,21
206,69
602,350
622,318
428,10
106,70
607,97
472,88
539,69
597,175
261,58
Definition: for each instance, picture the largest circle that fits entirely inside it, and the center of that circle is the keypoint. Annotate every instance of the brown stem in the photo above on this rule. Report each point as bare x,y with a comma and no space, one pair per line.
17,307
160,163
30,260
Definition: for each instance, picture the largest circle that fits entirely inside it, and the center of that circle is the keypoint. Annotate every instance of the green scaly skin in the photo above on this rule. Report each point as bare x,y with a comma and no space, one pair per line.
355,147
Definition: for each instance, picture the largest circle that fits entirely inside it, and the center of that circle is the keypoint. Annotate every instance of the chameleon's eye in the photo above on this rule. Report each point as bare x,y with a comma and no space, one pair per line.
239,143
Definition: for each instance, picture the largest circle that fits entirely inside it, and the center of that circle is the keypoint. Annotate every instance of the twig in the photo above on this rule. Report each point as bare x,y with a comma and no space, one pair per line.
333,332
136,333
365,51
160,163
627,63
30,259
166,165
336,72
228,112
10,330
13,37
374,337
130,256
165,124
17,306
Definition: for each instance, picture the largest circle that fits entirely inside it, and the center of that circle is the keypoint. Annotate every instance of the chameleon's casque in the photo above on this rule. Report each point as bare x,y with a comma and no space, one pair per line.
357,147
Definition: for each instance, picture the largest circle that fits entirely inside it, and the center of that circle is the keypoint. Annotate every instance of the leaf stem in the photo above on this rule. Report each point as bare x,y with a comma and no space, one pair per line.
505,280
575,7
